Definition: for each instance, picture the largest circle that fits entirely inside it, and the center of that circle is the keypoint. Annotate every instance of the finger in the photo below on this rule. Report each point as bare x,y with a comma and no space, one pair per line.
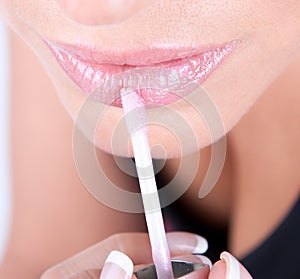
117,266
90,261
183,243
135,245
180,243
228,268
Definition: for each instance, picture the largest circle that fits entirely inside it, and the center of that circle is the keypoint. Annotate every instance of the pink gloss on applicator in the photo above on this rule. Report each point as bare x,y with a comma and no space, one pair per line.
134,109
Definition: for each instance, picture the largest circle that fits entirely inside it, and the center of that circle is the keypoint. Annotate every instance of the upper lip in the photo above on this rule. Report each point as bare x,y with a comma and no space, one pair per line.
146,56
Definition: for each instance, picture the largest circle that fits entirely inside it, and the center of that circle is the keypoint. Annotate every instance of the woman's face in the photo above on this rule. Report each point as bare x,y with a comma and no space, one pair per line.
234,48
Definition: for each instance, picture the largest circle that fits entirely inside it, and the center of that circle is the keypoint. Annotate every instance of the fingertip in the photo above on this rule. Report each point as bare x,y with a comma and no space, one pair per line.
228,267
232,266
52,273
46,275
218,270
121,260
184,243
201,246
205,260
117,265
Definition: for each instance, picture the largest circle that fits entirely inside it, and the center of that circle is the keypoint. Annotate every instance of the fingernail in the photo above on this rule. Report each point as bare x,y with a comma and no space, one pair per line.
117,265
187,242
232,266
201,246
204,260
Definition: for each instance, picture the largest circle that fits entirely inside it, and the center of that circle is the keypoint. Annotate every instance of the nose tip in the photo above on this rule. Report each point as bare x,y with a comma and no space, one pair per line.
97,12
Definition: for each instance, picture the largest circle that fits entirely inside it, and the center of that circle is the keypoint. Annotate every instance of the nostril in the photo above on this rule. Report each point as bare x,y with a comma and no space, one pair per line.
97,12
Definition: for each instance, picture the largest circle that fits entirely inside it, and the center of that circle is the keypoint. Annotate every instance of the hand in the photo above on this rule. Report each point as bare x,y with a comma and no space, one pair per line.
115,257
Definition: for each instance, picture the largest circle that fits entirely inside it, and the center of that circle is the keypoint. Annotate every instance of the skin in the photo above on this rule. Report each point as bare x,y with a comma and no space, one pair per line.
85,267
267,61
262,48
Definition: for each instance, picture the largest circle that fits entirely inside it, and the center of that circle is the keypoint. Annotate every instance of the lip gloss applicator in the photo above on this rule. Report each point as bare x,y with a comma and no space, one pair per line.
135,116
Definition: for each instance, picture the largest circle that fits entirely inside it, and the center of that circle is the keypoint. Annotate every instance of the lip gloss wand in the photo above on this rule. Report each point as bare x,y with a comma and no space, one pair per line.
136,121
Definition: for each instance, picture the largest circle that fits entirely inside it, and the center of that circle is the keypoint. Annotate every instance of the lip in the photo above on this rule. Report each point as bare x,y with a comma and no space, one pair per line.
160,75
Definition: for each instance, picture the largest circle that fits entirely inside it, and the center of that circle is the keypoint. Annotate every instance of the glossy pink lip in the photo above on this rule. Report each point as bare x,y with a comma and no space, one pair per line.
152,72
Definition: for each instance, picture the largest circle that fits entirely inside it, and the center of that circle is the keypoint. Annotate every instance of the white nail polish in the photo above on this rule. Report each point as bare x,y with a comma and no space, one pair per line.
205,260
232,266
201,246
120,260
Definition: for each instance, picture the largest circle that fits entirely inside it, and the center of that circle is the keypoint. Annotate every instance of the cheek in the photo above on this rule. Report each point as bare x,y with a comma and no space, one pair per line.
12,12
3,4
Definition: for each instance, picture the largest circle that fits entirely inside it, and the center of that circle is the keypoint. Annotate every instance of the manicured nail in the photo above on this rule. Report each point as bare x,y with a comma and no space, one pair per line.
187,243
205,260
232,266
201,246
117,265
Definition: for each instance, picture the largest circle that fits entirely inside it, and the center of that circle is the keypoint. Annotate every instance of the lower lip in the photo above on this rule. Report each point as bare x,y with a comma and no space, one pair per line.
160,84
